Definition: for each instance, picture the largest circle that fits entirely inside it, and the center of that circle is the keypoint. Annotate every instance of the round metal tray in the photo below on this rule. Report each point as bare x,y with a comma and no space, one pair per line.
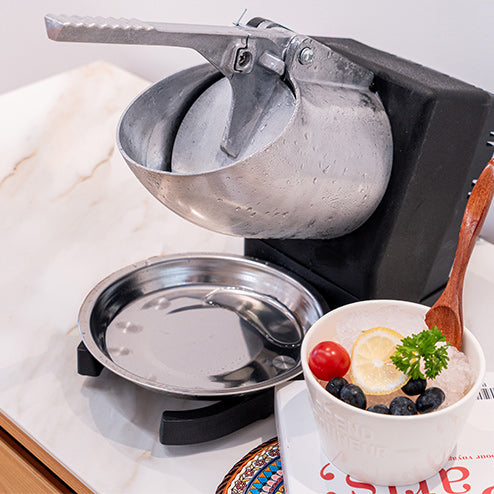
199,325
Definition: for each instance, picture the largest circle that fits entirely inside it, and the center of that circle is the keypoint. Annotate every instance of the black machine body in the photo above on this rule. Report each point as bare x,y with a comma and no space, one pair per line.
441,131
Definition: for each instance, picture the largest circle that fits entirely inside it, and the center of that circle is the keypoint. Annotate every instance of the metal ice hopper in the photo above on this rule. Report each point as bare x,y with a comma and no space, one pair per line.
280,137
288,140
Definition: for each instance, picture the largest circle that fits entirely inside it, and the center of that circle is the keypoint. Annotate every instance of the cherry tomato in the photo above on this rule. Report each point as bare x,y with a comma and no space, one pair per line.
329,359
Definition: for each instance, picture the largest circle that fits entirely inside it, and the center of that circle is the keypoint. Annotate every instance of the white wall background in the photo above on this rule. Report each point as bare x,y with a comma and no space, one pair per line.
452,36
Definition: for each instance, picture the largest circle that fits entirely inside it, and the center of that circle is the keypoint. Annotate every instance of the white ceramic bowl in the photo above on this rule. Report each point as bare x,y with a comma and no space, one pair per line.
385,449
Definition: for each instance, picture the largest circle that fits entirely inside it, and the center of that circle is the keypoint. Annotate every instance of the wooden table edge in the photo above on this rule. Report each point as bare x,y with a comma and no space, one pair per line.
43,456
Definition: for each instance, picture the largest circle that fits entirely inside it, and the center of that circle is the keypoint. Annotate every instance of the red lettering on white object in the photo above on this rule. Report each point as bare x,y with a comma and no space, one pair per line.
484,457
363,485
447,481
324,474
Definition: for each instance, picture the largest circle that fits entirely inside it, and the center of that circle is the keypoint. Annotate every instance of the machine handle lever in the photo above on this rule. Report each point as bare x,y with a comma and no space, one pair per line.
257,59
251,58
221,45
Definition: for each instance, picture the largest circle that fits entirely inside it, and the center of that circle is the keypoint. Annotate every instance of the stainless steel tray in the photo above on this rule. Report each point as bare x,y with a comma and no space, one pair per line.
201,325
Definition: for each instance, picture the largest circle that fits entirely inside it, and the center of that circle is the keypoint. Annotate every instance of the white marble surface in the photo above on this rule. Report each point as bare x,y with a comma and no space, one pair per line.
72,213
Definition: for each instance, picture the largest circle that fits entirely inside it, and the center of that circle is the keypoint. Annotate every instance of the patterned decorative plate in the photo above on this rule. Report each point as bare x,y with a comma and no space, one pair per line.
258,472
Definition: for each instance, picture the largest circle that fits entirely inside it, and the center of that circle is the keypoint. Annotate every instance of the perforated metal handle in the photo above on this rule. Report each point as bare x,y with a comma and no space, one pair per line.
213,42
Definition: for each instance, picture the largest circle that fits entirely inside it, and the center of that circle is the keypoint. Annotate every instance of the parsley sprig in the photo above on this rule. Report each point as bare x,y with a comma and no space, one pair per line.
421,347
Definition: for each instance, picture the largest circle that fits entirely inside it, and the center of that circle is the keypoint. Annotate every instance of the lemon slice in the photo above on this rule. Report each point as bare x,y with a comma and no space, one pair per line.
372,368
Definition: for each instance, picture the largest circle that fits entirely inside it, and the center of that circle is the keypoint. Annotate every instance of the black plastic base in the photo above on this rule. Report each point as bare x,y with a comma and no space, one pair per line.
203,423
87,365
215,421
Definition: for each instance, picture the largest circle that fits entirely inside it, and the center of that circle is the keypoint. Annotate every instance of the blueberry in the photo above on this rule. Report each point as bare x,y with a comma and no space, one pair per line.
378,409
402,405
353,395
334,386
414,387
430,399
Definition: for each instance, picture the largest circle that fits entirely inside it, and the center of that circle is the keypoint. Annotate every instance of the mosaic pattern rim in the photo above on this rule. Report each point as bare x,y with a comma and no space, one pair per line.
258,472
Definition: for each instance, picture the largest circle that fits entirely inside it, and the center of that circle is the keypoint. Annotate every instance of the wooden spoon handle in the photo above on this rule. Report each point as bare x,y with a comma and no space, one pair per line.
473,219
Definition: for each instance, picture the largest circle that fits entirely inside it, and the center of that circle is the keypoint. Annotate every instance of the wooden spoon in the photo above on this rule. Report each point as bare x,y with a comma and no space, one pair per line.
447,313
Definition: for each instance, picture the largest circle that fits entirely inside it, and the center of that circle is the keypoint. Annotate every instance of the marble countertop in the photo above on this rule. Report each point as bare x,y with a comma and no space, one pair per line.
72,213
